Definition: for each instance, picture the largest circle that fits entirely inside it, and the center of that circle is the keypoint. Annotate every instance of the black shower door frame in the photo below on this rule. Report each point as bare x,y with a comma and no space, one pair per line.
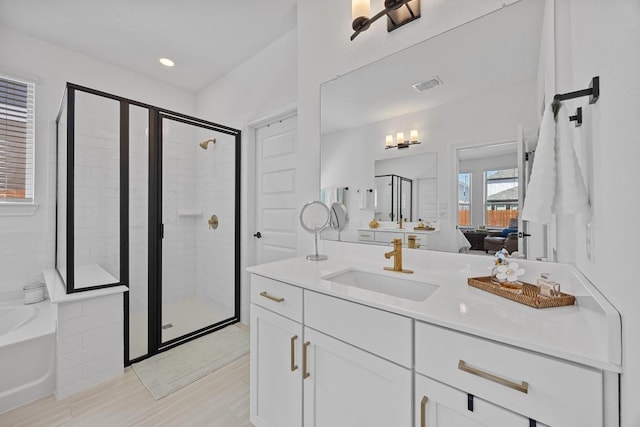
156,233
154,285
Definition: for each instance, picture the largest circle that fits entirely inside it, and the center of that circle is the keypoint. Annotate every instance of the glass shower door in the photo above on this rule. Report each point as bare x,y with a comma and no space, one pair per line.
198,277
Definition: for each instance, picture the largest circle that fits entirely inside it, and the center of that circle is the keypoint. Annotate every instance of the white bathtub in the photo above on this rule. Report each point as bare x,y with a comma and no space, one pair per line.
27,353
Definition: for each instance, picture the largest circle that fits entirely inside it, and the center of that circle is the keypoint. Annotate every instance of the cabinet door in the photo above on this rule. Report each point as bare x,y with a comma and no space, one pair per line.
349,387
438,405
276,386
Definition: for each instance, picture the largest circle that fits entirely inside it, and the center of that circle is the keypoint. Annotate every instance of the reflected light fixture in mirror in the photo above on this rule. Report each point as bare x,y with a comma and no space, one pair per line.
400,141
398,13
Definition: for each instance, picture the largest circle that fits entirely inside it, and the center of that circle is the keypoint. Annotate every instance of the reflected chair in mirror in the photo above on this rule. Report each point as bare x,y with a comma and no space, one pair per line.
507,238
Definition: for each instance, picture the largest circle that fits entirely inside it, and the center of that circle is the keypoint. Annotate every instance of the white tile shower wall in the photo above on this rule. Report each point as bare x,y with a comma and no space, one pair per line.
215,190
97,183
138,210
89,343
178,193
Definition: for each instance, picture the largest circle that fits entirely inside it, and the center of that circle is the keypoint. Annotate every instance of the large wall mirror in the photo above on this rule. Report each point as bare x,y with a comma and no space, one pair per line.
474,96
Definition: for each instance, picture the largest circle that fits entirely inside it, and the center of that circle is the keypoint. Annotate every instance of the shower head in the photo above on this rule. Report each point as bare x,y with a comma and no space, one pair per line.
205,144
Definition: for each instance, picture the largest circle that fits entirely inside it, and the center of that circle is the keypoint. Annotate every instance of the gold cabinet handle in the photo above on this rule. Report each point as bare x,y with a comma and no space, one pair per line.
271,297
423,411
522,387
305,373
293,353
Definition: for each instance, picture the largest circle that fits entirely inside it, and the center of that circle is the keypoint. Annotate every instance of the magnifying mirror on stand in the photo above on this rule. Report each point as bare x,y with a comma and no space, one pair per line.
315,218
339,217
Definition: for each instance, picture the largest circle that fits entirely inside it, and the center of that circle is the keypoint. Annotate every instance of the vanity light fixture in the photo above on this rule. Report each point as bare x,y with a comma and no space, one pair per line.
398,12
400,141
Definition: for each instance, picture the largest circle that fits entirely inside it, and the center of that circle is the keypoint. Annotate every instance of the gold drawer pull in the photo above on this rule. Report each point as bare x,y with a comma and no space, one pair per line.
293,353
423,411
271,297
305,373
521,387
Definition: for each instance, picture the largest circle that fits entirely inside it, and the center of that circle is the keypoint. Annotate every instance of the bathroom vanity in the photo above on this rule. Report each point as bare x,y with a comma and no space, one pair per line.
382,236
344,343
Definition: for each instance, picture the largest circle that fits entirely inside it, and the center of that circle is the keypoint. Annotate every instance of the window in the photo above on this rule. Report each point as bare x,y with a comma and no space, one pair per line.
16,140
464,198
501,203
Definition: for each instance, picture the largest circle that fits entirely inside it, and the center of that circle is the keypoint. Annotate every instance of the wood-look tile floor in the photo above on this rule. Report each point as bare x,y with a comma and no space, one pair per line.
220,399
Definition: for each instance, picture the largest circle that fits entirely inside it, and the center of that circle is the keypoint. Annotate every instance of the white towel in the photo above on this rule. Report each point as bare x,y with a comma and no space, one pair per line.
556,184
362,199
541,188
571,194
330,195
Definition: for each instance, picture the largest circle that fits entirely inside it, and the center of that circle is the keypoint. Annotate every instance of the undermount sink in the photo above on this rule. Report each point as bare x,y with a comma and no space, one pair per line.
399,285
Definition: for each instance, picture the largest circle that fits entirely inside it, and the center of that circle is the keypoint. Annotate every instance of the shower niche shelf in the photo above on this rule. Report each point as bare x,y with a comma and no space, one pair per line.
189,212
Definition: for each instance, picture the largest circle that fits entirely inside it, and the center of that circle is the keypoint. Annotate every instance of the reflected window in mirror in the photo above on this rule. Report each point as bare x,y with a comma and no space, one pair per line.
501,193
464,199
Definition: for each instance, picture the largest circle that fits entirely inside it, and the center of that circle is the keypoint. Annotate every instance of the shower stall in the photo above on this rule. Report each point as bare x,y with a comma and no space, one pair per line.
150,199
393,198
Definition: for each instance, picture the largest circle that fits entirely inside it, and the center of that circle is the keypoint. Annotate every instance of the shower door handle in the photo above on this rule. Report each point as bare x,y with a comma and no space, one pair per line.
257,235
162,231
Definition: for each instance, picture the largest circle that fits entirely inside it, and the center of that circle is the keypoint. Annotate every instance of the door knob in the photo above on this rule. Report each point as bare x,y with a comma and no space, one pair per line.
257,235
521,234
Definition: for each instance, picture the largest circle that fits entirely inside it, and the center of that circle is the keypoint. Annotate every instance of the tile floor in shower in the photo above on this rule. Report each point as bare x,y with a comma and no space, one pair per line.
184,316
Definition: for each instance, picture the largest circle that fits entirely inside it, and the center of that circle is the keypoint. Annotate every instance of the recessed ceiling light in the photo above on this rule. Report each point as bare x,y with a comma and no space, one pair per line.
167,62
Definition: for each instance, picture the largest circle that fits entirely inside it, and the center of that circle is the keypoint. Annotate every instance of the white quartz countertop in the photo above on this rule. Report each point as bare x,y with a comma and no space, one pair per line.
588,332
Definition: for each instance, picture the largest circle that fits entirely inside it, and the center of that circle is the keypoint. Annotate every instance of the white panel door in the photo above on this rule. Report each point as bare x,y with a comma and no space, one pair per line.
349,387
276,385
276,200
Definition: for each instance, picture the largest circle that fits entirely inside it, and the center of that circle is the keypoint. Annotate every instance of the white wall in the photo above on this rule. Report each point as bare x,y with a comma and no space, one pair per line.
602,38
27,242
263,84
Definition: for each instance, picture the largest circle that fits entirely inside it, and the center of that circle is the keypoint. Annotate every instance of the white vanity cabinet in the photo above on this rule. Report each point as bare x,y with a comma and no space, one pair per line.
438,405
359,365
544,390
349,387
309,376
321,357
276,336
385,237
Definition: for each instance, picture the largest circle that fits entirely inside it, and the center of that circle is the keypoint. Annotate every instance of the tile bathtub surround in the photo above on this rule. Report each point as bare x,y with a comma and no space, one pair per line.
89,335
89,343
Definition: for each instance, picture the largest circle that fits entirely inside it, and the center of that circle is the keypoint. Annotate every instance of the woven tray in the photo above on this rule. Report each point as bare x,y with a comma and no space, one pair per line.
529,295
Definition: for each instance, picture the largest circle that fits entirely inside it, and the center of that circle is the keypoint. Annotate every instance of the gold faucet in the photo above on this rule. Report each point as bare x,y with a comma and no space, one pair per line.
396,253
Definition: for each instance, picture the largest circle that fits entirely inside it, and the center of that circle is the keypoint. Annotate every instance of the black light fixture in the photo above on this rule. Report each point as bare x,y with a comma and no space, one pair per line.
398,12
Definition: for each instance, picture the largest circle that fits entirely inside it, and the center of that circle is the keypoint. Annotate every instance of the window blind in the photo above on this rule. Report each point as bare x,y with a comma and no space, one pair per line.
17,101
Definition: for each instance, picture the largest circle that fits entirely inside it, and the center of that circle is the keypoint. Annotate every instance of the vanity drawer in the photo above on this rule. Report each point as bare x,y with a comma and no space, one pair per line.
366,236
388,236
276,296
382,333
541,388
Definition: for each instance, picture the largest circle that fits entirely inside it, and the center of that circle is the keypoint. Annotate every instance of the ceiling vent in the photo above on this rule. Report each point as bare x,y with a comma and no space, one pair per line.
427,84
